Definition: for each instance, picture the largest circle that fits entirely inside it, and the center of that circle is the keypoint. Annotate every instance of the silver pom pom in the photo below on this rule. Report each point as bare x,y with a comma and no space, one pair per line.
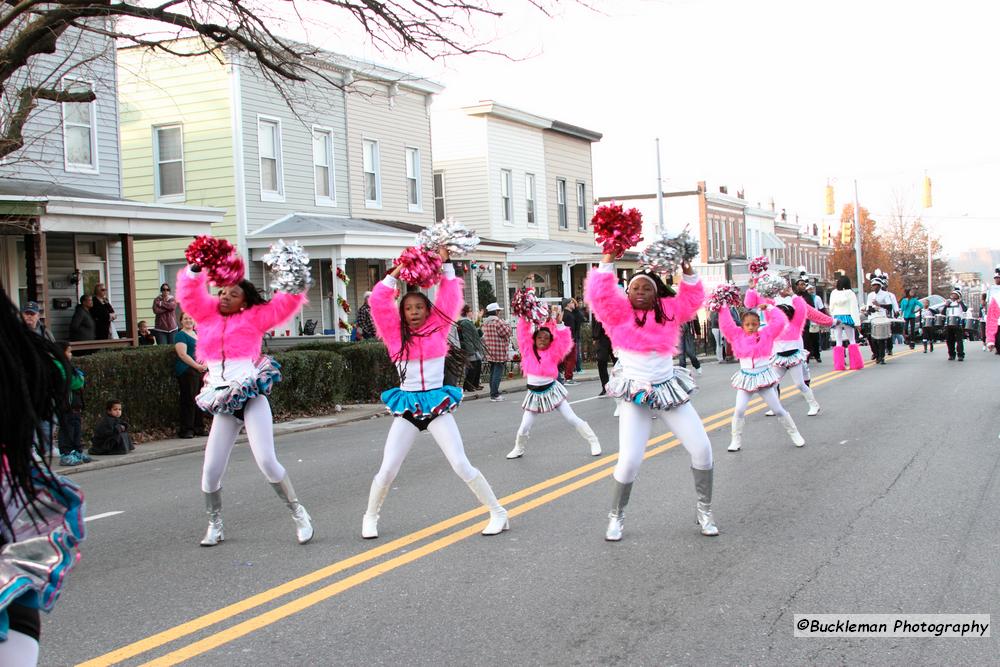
666,254
769,285
450,234
289,265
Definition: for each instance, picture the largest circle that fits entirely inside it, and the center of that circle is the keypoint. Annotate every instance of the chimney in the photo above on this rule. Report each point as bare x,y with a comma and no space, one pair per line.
771,204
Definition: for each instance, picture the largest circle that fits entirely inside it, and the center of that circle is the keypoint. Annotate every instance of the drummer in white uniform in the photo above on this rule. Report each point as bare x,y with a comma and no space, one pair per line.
881,304
954,313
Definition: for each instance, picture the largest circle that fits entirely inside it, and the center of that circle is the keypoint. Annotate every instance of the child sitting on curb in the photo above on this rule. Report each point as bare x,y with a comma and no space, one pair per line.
111,433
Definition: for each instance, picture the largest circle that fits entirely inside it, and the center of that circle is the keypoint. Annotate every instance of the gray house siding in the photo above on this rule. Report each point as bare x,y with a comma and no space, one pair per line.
62,261
42,158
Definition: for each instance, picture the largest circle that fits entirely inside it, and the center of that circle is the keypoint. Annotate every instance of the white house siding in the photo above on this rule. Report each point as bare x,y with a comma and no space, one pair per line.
403,123
42,157
466,192
570,158
520,149
315,103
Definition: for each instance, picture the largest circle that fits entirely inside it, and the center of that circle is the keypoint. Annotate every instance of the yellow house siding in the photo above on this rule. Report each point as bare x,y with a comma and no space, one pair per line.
569,158
157,89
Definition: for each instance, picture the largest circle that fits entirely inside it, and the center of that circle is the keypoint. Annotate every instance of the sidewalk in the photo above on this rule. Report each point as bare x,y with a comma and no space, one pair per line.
158,449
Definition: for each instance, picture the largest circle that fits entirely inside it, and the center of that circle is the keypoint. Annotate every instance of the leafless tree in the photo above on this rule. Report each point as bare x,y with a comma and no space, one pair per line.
906,238
31,28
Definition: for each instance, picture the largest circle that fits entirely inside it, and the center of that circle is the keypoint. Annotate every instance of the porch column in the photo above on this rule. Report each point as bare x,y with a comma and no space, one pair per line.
567,281
36,256
337,261
128,280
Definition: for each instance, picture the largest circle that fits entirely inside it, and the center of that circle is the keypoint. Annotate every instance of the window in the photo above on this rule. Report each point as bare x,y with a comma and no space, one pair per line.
373,173
439,210
561,202
323,172
80,130
269,147
529,196
168,155
506,210
581,206
413,179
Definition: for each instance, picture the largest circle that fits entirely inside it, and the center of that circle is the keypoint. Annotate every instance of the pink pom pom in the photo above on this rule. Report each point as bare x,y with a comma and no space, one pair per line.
525,304
419,267
724,296
207,251
616,230
758,265
227,272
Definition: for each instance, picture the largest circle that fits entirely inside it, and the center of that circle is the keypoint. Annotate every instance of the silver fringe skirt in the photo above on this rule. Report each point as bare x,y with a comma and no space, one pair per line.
675,391
755,379
544,399
800,357
230,398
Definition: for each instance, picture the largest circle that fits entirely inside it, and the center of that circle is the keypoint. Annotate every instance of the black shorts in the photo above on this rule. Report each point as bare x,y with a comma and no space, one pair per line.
24,620
421,422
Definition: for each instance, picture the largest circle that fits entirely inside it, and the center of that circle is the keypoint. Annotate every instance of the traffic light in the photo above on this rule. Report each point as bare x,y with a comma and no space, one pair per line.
829,199
845,232
928,202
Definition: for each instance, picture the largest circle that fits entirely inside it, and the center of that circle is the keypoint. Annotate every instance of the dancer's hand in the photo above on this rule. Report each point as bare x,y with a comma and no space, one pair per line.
608,258
686,267
445,255
396,270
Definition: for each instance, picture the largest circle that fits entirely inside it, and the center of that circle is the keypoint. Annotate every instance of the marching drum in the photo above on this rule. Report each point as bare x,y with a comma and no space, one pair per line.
939,320
881,328
897,326
971,324
866,328
954,321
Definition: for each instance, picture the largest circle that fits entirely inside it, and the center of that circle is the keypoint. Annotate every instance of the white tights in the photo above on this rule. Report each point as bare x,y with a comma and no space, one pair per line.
770,396
564,409
401,436
634,426
843,332
798,374
222,438
19,649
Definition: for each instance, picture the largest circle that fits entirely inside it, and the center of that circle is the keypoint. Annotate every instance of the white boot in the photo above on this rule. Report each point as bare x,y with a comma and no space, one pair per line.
591,437
303,522
769,413
813,403
736,443
498,515
369,522
792,430
519,441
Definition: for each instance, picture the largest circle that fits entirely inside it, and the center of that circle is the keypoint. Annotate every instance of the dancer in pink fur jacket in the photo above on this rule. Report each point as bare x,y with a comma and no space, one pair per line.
230,330
753,346
542,350
644,325
789,354
416,335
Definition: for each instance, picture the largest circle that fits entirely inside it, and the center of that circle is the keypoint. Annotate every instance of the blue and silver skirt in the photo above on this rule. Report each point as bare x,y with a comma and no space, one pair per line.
790,360
422,404
229,399
846,319
675,391
545,398
754,379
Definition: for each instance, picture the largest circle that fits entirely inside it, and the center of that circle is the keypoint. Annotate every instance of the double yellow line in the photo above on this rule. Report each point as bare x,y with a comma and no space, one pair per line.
602,467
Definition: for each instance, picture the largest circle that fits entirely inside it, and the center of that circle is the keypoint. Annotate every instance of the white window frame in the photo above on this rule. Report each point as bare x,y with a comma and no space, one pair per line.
376,169
279,194
529,199
561,203
94,166
443,197
171,198
507,200
417,207
581,206
330,167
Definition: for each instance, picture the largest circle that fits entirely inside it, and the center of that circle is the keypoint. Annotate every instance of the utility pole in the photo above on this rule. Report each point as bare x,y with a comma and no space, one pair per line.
659,187
857,248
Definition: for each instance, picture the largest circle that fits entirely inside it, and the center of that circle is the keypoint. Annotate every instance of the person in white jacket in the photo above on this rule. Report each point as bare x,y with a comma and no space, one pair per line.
847,318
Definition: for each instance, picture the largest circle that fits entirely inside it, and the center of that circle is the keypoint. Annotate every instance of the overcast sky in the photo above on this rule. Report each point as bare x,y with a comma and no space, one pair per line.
772,96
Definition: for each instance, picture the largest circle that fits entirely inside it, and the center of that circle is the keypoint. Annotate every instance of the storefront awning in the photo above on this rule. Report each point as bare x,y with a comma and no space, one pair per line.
772,242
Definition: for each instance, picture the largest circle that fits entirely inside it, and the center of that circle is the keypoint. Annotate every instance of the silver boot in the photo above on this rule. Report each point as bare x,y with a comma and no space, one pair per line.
303,523
703,487
616,518
369,522
520,440
213,506
498,515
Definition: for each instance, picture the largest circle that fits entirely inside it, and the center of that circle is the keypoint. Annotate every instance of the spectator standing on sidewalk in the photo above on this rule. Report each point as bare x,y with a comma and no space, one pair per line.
572,319
82,326
189,373
496,340
602,351
472,344
364,321
720,342
71,422
165,309
31,314
690,329
103,312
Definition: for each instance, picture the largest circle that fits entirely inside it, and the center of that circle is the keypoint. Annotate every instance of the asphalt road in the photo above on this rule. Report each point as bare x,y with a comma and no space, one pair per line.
891,507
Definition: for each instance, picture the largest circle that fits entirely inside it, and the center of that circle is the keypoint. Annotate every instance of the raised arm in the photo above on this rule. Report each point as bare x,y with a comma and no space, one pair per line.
689,299
524,333
607,301
817,316
385,312
449,299
729,328
562,341
801,311
751,299
192,292
777,322
279,309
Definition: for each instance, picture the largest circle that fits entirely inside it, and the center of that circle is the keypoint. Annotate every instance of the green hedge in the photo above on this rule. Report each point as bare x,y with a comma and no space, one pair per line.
368,369
143,379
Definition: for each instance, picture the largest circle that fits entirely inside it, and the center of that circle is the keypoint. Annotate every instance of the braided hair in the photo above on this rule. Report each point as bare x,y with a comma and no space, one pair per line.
662,291
32,393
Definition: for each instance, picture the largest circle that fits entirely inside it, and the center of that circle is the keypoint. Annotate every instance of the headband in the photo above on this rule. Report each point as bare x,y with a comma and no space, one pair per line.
643,275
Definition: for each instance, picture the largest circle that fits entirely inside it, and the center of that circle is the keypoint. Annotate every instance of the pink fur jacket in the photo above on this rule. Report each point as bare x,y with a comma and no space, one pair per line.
548,366
993,317
803,312
431,340
757,345
611,307
237,336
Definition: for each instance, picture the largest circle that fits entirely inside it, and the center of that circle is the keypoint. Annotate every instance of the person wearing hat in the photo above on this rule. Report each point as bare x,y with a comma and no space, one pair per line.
955,335
882,303
31,314
496,340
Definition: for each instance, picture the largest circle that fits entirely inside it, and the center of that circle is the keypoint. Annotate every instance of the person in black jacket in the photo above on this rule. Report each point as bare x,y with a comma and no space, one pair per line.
82,326
102,312
111,433
602,352
691,329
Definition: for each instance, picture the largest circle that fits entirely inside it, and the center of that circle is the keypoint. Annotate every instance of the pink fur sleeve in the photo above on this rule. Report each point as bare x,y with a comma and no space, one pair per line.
818,317
992,317
690,297
385,313
276,311
800,307
562,342
449,299
729,328
193,294
523,335
777,322
606,299
751,299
